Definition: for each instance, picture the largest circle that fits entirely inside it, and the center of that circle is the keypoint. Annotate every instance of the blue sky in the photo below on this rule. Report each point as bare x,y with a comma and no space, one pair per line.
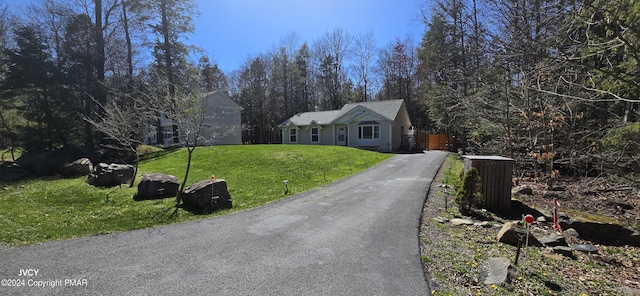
230,31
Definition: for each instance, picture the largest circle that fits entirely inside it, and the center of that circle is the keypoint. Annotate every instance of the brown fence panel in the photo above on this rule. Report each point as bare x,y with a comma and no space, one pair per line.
440,142
495,179
422,141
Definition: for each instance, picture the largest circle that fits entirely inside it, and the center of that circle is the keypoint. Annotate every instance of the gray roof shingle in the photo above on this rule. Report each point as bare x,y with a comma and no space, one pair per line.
387,109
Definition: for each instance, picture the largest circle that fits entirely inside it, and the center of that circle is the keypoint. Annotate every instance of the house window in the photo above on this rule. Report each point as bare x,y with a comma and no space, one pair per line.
167,135
315,135
293,135
369,132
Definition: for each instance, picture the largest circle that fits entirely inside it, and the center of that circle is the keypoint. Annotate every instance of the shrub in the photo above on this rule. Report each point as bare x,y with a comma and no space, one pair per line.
621,148
468,194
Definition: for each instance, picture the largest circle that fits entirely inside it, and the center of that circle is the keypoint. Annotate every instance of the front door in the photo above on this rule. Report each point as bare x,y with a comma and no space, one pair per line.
342,136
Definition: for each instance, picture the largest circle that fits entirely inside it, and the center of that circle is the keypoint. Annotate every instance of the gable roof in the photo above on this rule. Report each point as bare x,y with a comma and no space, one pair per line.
308,118
222,99
387,109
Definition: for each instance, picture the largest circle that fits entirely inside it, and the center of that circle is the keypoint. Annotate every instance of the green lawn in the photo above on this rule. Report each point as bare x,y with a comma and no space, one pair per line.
49,209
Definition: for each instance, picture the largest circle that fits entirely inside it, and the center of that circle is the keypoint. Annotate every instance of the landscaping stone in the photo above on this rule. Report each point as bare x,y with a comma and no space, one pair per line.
522,190
11,172
511,233
585,248
557,194
108,175
208,195
564,251
458,221
484,224
553,240
47,163
157,186
441,219
541,219
571,233
603,232
78,167
497,270
629,291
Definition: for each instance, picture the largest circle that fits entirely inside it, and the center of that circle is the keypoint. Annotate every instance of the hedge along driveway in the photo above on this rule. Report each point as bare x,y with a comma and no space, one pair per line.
45,209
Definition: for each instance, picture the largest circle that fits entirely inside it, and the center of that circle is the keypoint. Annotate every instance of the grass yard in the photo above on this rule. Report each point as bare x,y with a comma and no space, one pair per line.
39,210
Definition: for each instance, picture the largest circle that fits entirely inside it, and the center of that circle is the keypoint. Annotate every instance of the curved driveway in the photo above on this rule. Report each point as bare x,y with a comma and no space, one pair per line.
358,236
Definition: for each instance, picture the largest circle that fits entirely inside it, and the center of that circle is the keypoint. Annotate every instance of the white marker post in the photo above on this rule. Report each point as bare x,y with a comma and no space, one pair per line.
529,219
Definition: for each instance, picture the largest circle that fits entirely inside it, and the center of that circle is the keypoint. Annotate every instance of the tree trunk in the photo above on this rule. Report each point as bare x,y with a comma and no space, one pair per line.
135,168
168,60
127,37
186,174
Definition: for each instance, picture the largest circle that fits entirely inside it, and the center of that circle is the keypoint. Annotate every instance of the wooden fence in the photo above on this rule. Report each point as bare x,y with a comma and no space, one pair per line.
434,142
495,179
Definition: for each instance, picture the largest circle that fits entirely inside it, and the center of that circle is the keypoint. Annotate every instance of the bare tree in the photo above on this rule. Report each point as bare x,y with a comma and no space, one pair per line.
332,53
365,49
184,106
122,126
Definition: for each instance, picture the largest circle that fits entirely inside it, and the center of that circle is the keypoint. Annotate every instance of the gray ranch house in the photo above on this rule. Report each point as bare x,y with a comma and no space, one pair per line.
222,124
381,126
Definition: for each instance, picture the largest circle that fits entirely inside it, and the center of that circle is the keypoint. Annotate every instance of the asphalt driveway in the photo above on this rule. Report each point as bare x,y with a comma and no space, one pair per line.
358,236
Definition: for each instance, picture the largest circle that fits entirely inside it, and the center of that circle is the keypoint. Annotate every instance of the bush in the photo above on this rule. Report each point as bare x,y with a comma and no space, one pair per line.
621,148
468,195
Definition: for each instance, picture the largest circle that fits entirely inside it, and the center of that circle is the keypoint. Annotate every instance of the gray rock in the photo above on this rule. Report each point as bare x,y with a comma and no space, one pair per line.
629,291
522,190
563,250
441,219
11,172
553,240
208,195
585,248
458,221
571,233
48,162
78,167
497,270
603,232
157,186
511,232
108,175
483,224
562,195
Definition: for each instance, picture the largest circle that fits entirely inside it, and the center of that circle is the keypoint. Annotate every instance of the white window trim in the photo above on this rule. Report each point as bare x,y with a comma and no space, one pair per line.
297,134
374,141
374,127
311,134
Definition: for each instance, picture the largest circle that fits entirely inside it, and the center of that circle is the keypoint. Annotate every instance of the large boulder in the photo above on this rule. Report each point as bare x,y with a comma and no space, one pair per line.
554,240
48,162
109,175
603,232
511,232
79,167
208,195
11,172
522,190
157,186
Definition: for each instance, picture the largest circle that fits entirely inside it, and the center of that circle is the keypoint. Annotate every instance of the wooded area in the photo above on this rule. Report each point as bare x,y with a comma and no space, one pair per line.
554,84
